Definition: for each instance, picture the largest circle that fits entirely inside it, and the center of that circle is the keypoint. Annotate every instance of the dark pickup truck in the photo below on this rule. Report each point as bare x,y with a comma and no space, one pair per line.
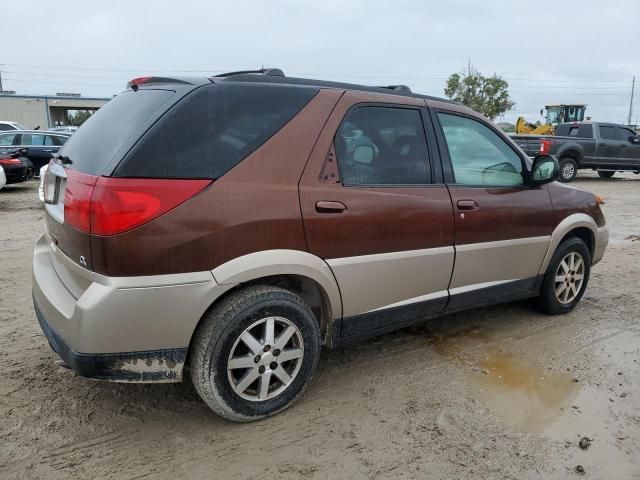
605,147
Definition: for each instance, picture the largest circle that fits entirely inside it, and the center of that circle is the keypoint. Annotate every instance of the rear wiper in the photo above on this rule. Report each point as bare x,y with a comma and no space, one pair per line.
63,159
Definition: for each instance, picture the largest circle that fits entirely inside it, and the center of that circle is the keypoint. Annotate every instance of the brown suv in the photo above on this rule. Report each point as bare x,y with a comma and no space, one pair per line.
233,225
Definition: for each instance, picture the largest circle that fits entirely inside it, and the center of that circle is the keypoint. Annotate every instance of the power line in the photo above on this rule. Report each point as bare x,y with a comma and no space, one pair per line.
210,71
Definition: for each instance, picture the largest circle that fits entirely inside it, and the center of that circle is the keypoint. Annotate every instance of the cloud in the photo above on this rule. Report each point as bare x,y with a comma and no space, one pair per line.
576,51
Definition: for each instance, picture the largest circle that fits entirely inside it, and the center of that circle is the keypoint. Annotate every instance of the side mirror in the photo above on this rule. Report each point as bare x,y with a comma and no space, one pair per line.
635,140
363,154
545,169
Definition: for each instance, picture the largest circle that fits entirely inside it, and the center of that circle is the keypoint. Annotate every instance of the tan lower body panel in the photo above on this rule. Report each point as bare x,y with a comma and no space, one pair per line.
371,282
96,314
503,260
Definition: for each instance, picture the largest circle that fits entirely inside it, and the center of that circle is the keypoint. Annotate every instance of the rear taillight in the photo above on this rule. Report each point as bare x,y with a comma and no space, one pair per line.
108,206
10,161
77,200
120,204
545,146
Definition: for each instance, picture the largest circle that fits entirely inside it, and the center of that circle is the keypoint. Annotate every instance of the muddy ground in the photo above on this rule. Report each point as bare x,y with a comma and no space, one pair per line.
498,393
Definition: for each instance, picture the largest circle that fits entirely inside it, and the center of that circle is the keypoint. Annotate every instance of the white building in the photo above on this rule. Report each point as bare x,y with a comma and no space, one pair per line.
44,111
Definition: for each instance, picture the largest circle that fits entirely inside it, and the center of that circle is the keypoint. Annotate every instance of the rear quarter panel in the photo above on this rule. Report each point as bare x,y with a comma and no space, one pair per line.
254,207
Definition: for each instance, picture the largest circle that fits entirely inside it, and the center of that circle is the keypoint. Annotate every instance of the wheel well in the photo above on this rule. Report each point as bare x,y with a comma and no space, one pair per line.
574,154
306,288
583,233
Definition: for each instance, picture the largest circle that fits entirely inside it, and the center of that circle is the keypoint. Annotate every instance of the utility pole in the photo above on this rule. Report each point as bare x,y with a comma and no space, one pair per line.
633,87
1,89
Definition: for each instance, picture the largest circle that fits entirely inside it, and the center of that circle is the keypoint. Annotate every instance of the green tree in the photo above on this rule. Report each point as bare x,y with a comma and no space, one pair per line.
79,117
487,95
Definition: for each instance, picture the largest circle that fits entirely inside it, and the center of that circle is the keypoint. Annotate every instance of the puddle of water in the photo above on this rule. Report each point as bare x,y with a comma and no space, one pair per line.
524,395
548,404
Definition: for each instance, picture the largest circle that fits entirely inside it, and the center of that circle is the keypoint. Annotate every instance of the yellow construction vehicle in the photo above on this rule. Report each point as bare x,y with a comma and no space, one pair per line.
555,115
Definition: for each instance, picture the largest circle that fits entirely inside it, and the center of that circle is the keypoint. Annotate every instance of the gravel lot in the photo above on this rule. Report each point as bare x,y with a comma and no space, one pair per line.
497,393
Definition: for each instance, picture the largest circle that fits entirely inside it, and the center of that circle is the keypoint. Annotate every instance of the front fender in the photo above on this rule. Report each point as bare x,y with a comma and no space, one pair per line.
573,221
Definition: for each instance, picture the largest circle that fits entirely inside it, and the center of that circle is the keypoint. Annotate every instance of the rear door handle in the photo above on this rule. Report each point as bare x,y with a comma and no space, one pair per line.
326,206
468,205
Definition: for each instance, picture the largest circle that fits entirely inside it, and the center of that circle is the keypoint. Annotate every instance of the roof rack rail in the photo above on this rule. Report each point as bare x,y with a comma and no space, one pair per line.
272,72
398,88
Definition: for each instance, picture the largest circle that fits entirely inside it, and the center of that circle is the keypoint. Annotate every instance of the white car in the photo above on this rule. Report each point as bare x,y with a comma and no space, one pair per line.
3,178
4,125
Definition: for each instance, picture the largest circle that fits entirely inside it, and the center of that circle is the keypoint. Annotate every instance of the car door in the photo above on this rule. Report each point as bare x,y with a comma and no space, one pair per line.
630,152
502,225
609,147
376,210
39,147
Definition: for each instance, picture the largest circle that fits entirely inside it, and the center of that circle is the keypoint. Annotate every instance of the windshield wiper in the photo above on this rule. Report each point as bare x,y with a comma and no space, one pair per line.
63,159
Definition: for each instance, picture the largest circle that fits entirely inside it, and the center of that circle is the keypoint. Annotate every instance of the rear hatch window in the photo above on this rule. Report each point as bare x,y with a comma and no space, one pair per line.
113,129
213,129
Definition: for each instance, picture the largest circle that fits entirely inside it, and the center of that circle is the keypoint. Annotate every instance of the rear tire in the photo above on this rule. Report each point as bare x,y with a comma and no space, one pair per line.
566,278
238,351
605,173
568,169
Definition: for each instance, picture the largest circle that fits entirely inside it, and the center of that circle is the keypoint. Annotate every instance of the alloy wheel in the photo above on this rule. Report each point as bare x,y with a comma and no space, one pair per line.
265,359
569,277
568,170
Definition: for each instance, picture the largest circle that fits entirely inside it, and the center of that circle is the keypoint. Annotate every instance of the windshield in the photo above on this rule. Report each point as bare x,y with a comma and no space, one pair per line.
553,115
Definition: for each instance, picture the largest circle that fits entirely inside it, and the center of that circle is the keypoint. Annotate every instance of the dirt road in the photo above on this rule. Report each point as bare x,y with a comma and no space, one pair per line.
498,393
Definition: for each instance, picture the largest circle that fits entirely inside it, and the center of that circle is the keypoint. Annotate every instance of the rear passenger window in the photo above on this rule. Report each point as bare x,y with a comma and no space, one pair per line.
382,146
608,133
7,139
585,131
213,129
578,131
624,134
479,156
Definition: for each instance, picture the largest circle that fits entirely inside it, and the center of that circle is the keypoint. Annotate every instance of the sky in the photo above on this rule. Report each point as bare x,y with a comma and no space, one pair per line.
567,51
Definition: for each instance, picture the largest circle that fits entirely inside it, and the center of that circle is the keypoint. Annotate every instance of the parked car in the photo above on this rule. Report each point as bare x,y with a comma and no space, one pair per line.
605,147
67,129
3,178
40,146
233,225
17,168
4,125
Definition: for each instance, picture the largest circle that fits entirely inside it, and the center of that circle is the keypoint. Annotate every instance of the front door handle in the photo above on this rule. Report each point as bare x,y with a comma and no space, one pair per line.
326,206
468,205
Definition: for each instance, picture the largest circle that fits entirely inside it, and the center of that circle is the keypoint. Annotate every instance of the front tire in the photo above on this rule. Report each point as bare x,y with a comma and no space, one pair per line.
255,353
605,173
568,169
566,278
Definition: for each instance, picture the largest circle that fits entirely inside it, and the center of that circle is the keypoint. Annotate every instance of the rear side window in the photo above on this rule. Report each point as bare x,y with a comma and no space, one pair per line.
7,139
213,129
382,146
112,128
624,134
578,131
32,139
585,131
608,133
57,140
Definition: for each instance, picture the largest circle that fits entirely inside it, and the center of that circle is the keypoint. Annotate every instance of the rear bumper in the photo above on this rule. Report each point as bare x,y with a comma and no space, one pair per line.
118,328
601,242
150,366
